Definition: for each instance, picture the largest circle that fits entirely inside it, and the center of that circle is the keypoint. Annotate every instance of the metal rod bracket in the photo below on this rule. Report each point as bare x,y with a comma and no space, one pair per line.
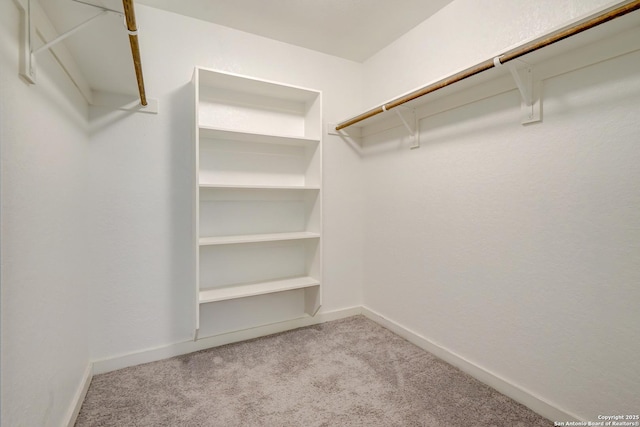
410,123
522,74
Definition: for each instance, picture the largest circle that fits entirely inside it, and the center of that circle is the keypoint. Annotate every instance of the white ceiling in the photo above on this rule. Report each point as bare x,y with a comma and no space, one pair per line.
351,29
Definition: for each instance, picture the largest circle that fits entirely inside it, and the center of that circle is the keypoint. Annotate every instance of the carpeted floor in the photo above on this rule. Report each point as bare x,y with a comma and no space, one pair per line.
350,372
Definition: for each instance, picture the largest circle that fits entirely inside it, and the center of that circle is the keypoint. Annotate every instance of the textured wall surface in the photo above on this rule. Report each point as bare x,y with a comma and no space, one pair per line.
44,282
515,247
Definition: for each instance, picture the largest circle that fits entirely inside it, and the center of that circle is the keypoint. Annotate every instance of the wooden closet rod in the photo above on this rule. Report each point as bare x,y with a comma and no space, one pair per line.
130,17
505,57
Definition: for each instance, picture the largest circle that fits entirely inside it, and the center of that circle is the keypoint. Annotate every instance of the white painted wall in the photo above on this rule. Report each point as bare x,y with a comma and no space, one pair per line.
140,179
514,247
43,142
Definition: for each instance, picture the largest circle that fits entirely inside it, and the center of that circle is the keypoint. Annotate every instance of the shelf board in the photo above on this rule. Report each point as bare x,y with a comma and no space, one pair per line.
256,238
240,136
217,79
253,289
261,187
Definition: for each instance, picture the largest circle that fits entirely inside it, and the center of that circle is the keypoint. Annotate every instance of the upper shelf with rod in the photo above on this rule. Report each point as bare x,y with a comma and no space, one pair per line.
39,36
531,51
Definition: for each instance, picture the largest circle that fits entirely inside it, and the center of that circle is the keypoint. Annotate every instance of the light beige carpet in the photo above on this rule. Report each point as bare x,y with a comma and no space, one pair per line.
350,372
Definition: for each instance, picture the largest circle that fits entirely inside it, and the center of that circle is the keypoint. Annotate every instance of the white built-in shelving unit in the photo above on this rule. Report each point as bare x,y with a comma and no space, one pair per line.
257,195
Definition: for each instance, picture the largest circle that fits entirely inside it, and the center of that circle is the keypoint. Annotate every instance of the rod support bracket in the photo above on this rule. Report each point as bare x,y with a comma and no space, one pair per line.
522,74
27,34
408,118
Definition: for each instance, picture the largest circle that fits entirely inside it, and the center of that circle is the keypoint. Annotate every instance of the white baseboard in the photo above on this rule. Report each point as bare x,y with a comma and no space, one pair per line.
177,349
81,393
520,395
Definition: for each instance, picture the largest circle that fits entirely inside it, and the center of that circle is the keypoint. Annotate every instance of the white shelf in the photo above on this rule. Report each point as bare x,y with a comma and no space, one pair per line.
258,178
234,135
254,289
257,238
261,187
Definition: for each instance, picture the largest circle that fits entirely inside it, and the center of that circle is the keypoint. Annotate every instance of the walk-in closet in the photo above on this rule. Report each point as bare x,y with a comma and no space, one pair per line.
329,213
